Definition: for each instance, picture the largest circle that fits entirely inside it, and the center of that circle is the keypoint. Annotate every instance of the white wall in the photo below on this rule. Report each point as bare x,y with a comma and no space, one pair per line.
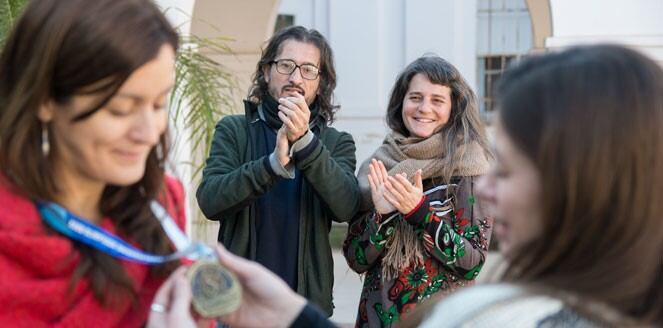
373,40
444,27
179,14
572,18
637,23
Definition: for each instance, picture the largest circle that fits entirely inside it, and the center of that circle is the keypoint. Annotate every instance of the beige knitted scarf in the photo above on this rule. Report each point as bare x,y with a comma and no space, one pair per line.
402,154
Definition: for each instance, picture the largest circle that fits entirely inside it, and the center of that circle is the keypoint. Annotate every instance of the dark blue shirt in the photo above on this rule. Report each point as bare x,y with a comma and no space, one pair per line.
277,222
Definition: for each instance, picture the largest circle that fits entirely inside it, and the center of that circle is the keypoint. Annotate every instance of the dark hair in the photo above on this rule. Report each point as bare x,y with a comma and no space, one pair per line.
62,48
464,123
591,121
324,98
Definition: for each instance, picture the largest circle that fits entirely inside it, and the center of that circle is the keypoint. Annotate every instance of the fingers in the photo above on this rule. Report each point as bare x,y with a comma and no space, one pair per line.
294,112
391,198
396,192
402,194
371,184
279,133
281,146
287,122
181,291
281,136
418,181
399,185
296,102
241,267
168,289
383,174
373,172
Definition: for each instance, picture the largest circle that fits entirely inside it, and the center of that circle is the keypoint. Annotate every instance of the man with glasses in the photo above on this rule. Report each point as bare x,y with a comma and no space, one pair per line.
279,174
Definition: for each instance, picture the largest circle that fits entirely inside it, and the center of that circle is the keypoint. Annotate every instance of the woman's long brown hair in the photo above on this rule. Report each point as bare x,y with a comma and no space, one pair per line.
591,121
61,48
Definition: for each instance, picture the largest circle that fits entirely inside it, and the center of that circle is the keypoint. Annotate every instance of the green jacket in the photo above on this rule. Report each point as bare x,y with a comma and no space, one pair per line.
235,176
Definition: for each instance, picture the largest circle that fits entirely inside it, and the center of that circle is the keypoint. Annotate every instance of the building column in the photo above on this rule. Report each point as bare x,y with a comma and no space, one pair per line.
539,11
247,24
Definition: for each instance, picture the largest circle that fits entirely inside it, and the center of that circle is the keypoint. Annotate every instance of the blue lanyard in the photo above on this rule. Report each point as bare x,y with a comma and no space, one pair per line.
87,233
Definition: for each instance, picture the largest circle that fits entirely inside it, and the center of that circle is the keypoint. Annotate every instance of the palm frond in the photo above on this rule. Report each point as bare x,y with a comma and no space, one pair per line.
203,89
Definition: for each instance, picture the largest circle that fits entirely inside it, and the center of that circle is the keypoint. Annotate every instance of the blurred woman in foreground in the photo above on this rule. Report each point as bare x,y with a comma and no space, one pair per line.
576,192
83,91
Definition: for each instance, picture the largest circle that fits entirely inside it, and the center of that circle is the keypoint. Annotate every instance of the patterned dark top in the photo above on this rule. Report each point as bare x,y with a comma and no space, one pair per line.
455,236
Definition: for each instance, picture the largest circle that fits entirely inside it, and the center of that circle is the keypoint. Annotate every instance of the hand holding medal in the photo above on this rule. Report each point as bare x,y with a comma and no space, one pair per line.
265,299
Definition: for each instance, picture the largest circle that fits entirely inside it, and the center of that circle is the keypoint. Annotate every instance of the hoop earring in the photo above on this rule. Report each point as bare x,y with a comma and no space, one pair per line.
45,143
158,150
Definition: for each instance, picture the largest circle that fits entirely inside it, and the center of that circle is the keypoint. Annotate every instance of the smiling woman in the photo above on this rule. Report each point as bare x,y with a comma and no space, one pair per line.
426,106
83,85
110,146
420,231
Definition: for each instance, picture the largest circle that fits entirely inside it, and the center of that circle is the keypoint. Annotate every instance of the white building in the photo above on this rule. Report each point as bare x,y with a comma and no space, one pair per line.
637,23
373,40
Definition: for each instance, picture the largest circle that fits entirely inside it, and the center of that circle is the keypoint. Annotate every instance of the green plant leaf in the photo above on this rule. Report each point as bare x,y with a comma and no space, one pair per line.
9,12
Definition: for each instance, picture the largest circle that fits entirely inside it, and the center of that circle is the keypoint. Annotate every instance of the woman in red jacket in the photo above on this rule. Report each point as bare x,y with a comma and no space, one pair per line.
83,91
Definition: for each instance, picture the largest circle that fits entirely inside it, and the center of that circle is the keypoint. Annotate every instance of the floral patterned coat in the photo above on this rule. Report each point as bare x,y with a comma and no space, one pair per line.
455,235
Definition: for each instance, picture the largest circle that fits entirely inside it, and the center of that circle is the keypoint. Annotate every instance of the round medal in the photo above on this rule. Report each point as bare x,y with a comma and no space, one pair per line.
215,290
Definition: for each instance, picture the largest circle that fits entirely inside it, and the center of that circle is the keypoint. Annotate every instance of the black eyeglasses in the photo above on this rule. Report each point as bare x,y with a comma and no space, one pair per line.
287,66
